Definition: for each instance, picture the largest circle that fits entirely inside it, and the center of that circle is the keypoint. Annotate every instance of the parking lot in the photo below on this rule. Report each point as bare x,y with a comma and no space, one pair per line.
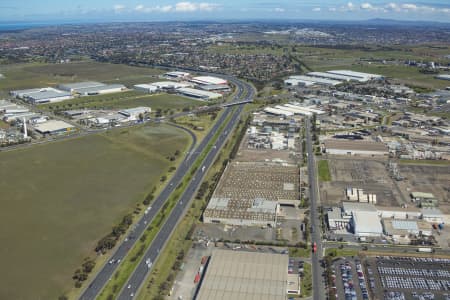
349,280
393,278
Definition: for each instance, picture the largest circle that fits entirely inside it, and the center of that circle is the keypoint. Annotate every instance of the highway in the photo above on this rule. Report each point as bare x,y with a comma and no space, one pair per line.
157,245
317,270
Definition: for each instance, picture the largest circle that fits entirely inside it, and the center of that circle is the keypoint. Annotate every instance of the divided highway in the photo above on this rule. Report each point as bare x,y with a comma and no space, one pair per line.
244,92
317,282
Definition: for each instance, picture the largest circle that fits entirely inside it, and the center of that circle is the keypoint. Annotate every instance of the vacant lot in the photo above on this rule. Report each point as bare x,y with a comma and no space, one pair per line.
22,76
59,199
324,170
358,172
427,178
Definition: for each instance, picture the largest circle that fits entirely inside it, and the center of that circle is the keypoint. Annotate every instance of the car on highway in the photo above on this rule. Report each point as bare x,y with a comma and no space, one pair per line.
314,247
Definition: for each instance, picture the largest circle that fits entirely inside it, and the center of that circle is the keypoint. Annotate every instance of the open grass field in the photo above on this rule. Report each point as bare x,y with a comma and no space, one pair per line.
59,199
324,170
23,76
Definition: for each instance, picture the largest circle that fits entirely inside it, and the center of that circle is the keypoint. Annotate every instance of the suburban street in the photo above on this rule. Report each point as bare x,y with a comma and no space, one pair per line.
317,270
157,245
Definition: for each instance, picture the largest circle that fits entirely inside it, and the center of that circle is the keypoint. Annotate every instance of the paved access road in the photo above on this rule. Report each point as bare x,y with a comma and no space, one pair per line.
317,270
152,252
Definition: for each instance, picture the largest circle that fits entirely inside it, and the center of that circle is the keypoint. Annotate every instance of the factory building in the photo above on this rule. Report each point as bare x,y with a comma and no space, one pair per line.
53,127
360,76
176,75
278,112
207,80
246,212
306,80
401,230
42,95
366,223
425,200
134,113
199,94
146,88
215,88
443,76
87,88
170,85
100,90
335,219
354,147
241,275
333,76
73,87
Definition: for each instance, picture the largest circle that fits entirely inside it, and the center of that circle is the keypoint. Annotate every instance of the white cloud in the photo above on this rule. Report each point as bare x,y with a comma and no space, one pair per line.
118,8
350,6
182,7
409,6
316,9
279,9
367,6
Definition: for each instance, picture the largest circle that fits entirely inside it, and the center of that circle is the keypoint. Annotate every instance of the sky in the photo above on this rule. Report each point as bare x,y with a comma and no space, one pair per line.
181,10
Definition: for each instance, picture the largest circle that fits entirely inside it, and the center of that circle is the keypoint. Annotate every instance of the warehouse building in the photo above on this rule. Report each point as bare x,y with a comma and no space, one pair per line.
366,223
314,80
135,112
42,95
443,76
53,127
400,230
354,147
240,275
246,212
146,88
425,200
207,80
176,75
335,219
215,88
73,87
199,94
278,112
100,90
333,76
360,76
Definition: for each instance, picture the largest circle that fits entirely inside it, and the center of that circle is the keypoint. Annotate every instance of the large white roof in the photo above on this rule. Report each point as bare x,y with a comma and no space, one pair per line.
208,80
367,223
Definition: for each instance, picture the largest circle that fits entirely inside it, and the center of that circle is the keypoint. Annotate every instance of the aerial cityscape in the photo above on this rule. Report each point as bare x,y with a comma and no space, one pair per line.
225,150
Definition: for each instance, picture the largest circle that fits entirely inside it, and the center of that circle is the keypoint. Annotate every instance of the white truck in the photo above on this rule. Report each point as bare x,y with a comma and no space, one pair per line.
425,250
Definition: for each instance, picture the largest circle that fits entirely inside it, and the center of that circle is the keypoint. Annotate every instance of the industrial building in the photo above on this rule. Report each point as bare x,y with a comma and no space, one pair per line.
170,85
215,87
239,275
199,94
425,200
100,90
307,80
366,223
246,212
134,113
146,88
335,219
72,87
207,80
357,75
443,76
333,76
54,127
354,147
177,75
278,112
87,88
401,230
42,95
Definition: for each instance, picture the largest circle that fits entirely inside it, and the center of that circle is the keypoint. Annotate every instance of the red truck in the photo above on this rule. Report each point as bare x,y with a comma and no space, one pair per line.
314,247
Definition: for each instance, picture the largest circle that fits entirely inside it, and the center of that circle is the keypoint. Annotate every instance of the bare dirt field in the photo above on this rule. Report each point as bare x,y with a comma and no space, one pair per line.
427,178
359,172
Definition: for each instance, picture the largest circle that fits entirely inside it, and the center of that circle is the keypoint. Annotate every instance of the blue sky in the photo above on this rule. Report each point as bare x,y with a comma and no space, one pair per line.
145,10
